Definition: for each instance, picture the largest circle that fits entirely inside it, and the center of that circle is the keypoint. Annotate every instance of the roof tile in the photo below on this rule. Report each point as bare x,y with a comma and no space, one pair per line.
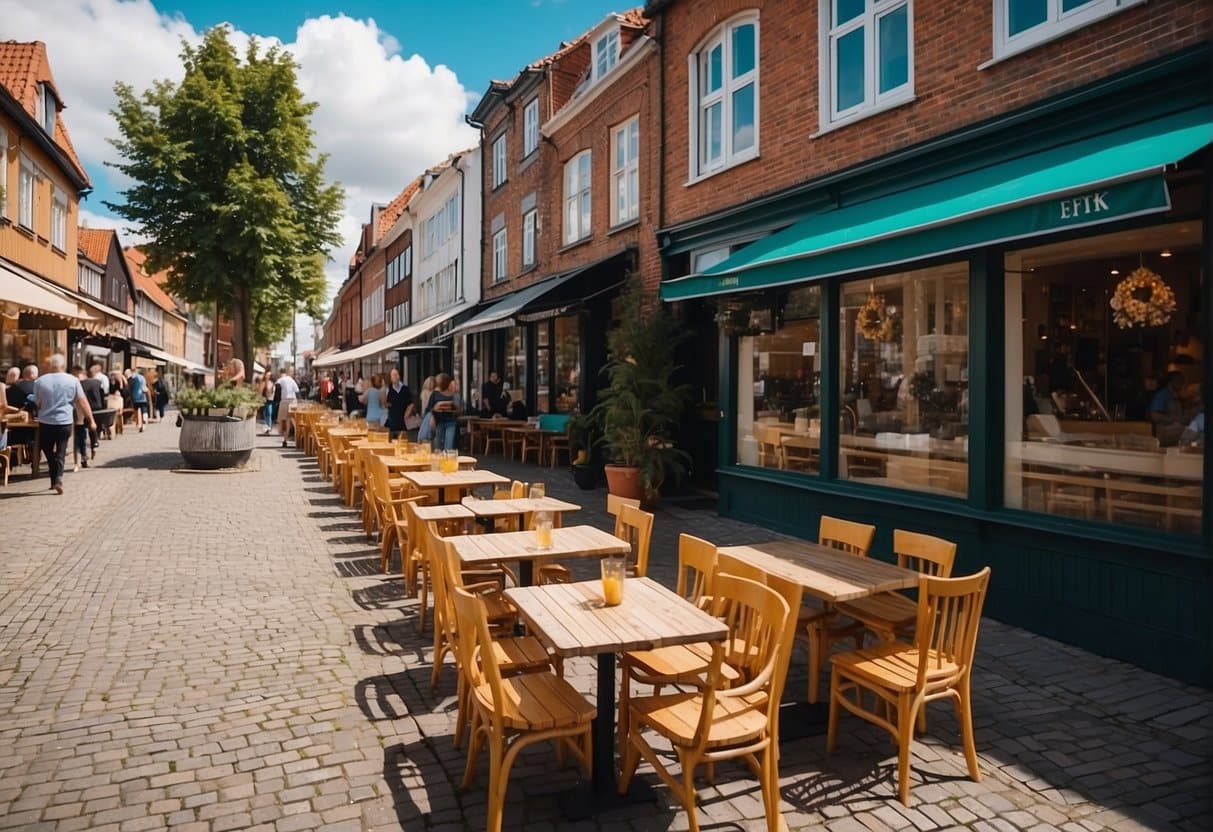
94,243
149,284
22,67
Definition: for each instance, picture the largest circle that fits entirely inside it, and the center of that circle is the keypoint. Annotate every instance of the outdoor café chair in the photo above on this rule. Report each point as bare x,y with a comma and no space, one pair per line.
715,722
892,614
636,527
903,678
510,713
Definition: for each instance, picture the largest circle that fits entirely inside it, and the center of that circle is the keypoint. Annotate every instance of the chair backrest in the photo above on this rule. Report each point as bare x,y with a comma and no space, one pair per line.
923,553
615,503
792,593
949,613
757,617
696,567
729,565
846,535
636,527
479,663
517,489
433,549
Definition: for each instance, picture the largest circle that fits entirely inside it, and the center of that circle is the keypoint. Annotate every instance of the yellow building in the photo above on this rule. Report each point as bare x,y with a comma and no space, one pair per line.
42,181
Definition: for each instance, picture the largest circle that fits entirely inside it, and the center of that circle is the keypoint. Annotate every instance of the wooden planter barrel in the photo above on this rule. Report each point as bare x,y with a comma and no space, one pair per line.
212,442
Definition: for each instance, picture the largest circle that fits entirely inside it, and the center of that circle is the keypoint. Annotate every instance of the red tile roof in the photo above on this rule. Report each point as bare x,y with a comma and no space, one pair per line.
94,243
389,215
22,67
149,284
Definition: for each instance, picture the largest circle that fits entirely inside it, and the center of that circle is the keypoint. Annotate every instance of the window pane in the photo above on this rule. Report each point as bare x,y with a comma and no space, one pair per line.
848,71
743,49
779,419
845,10
585,213
1070,5
583,165
634,140
1101,421
713,131
894,49
1024,14
905,371
621,148
633,193
743,118
715,71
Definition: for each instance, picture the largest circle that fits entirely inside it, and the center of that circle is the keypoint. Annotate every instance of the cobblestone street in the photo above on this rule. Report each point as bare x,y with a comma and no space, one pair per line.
220,651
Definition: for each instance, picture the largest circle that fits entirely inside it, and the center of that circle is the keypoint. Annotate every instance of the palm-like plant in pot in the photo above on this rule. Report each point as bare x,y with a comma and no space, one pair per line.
641,405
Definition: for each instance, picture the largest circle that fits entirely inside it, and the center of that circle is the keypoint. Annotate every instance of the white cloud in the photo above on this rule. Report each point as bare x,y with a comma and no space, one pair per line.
382,117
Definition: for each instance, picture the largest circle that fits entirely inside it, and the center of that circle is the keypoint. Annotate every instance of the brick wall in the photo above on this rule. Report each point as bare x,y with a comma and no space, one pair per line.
373,276
402,291
952,38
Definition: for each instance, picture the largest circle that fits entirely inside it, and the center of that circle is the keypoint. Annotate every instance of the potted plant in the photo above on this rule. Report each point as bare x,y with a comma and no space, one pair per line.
641,405
217,426
582,436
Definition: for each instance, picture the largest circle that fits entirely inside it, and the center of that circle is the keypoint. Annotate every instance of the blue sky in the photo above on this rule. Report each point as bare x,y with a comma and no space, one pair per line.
478,39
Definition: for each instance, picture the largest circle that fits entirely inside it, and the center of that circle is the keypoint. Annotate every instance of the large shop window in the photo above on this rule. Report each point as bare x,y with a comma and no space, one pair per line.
1104,360
904,340
779,359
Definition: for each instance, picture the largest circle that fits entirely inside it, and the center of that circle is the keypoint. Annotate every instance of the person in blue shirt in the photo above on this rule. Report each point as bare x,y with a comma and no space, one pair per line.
139,399
58,395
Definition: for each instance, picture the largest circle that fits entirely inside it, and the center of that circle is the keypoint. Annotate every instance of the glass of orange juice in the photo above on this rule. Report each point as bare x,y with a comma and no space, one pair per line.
612,580
543,529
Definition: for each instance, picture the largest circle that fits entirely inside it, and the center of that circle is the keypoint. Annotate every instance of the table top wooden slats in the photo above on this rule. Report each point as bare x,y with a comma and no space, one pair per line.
522,505
452,511
568,542
573,621
401,464
824,572
458,479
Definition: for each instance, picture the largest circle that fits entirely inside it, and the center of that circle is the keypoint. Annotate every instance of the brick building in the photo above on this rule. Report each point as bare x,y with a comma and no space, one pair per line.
904,234
571,196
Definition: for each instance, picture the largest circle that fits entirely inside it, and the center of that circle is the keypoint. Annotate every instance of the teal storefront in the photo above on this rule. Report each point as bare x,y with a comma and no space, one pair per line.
997,337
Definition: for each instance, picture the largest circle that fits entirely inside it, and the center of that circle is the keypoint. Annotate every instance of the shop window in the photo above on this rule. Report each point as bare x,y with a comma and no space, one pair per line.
724,90
1023,24
568,364
515,363
867,58
1102,404
779,372
904,344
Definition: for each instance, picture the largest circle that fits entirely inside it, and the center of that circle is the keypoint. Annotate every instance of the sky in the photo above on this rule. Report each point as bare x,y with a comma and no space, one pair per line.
392,80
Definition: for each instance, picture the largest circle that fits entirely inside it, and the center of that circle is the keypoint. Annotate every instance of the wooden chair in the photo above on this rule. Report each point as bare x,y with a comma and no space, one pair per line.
892,614
517,490
532,441
394,524
6,457
715,723
616,503
511,713
636,527
493,435
903,678
512,442
823,627
561,444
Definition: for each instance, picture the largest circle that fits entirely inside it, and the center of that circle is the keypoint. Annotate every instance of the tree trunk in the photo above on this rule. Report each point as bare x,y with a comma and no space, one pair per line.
242,329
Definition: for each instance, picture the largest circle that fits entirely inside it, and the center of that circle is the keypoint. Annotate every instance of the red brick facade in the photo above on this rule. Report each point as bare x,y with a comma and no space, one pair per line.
953,39
372,281
402,292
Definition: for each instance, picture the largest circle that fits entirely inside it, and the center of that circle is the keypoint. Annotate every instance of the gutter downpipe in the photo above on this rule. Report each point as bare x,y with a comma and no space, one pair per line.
479,125
661,144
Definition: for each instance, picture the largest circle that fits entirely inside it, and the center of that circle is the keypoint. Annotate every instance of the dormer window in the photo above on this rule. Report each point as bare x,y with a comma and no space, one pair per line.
606,53
44,108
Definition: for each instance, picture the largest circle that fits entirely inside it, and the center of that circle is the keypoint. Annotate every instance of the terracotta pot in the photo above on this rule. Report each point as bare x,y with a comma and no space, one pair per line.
624,481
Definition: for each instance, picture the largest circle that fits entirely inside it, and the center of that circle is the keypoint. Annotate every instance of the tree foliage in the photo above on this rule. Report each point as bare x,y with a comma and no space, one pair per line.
228,188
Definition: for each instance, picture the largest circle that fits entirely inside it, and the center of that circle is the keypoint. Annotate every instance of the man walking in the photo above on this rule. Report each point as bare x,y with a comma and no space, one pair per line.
86,439
143,411
399,404
56,394
286,391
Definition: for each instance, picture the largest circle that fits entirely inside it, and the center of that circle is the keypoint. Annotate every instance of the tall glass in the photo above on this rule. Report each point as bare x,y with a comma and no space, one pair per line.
613,571
543,529
537,491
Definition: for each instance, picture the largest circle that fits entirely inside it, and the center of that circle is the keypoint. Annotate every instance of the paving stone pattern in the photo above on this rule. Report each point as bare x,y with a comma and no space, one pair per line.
213,652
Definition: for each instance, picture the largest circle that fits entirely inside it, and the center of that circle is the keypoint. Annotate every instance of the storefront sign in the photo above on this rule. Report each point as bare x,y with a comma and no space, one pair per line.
1084,205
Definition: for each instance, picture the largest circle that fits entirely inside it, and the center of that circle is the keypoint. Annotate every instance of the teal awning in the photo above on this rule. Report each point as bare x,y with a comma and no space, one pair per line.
1113,176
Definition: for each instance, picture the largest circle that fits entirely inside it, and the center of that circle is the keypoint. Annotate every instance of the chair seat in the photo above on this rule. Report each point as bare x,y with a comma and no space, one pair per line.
891,666
538,702
676,663
737,719
520,654
886,612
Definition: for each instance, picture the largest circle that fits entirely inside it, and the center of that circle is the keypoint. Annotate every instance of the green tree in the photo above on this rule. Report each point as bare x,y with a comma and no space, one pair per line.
228,188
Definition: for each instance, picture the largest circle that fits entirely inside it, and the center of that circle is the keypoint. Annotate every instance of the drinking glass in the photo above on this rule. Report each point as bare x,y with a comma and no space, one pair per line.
537,491
612,580
543,529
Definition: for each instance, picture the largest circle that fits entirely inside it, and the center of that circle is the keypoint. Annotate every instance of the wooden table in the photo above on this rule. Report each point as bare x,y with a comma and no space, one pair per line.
498,427
18,431
569,542
490,510
571,619
441,483
526,432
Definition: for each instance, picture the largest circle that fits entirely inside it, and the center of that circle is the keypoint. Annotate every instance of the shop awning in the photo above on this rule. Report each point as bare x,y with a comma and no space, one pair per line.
25,292
168,358
110,321
546,298
392,341
1109,177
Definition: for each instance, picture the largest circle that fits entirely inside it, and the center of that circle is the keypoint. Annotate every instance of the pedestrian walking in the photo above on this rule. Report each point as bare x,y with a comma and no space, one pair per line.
96,372
269,392
425,429
285,397
160,394
57,395
399,404
86,438
139,399
444,409
374,399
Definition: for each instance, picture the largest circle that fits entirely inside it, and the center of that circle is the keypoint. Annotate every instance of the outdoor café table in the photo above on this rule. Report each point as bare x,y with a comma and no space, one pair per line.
496,428
25,432
444,514
830,575
572,620
395,463
568,542
542,434
441,483
520,507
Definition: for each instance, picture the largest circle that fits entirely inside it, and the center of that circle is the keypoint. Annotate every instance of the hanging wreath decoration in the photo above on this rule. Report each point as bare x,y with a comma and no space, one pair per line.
1142,299
875,322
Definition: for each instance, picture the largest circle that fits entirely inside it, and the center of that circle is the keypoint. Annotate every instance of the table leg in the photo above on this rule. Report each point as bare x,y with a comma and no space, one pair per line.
526,572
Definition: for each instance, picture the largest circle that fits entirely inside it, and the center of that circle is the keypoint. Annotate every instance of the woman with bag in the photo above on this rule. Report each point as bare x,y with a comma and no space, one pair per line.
268,389
425,430
443,408
374,401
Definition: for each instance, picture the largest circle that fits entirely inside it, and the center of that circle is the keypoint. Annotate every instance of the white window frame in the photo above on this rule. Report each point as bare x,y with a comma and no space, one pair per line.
576,192
59,220
530,223
499,161
873,101
700,166
1057,24
27,185
627,209
606,53
500,255
44,108
530,127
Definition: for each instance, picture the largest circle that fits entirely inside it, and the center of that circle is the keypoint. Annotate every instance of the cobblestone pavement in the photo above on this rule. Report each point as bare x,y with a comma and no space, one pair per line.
219,651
